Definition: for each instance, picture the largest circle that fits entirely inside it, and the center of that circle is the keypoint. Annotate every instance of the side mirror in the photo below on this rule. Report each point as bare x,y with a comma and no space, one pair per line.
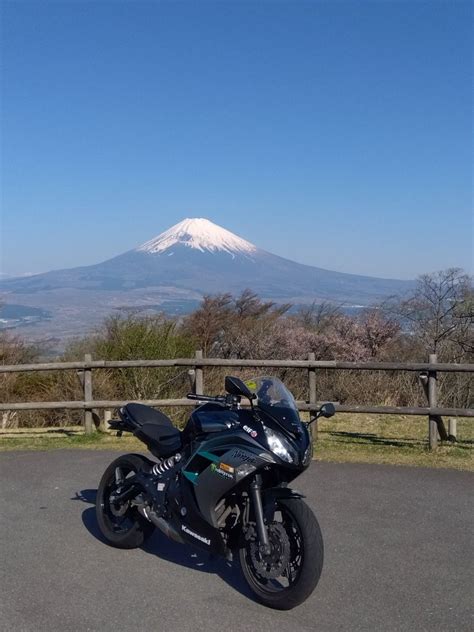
235,386
327,410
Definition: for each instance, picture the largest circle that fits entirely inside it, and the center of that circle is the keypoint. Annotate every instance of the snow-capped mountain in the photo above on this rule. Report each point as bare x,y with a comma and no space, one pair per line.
199,234
172,271
198,256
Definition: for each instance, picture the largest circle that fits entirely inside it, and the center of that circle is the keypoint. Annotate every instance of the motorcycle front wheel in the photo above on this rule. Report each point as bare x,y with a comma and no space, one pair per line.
285,576
121,524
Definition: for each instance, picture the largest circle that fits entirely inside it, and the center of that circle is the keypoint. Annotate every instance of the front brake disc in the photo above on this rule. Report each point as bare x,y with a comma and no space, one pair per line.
272,565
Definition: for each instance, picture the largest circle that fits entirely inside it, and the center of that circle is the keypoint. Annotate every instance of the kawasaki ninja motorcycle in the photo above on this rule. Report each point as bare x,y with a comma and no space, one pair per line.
221,484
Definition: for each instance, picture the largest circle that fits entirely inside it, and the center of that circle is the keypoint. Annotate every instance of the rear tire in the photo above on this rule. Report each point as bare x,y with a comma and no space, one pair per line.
303,547
122,526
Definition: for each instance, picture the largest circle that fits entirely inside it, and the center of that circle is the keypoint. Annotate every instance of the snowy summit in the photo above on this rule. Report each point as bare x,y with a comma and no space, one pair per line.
199,234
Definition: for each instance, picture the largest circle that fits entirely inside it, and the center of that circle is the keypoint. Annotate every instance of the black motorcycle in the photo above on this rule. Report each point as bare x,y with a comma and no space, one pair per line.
221,484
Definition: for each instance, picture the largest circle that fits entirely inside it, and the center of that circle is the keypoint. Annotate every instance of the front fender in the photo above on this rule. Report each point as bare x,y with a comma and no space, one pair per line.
272,495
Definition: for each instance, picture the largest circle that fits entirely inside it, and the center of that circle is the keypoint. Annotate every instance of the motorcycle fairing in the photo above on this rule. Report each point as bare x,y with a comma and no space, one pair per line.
219,465
192,526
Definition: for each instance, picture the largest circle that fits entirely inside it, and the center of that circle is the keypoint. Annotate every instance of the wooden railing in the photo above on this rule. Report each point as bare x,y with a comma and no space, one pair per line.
427,371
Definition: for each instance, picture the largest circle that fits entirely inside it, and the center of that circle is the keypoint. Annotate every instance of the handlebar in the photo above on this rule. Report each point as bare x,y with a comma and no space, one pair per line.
229,400
206,398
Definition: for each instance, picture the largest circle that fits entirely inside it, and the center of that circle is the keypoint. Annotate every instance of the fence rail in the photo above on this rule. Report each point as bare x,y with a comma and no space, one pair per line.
278,364
302,405
428,374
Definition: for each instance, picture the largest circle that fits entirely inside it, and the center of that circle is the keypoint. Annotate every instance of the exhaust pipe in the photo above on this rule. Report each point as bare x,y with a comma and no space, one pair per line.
161,524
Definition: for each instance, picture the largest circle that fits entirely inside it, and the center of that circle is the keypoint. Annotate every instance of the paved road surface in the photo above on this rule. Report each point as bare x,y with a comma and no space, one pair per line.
399,556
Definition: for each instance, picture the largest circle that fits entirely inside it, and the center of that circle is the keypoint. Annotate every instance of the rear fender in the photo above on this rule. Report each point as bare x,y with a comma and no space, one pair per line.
120,426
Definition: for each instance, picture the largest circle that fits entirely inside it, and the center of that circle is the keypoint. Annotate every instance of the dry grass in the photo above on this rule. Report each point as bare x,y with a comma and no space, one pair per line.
390,439
70,437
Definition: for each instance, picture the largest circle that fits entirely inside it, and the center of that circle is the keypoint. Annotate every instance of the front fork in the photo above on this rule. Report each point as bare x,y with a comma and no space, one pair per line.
256,497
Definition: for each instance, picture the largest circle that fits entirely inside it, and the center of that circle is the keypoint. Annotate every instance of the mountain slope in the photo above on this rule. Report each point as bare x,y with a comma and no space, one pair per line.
199,256
171,273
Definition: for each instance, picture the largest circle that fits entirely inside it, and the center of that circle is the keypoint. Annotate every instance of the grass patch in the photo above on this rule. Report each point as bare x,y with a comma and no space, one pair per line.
71,437
392,439
356,438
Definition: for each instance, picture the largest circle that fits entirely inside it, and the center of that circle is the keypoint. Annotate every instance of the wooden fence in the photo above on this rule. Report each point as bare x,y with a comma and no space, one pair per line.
427,372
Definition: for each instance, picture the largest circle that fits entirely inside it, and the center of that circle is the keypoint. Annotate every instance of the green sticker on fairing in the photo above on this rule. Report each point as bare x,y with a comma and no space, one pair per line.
251,385
217,469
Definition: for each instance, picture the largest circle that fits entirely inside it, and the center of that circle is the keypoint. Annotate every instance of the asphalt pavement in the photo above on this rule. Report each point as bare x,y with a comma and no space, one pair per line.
398,556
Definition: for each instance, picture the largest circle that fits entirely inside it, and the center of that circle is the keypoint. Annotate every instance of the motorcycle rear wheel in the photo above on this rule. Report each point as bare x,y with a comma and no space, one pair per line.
121,525
289,574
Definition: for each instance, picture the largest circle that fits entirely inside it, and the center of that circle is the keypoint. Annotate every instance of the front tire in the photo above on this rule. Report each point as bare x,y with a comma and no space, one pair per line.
288,575
121,525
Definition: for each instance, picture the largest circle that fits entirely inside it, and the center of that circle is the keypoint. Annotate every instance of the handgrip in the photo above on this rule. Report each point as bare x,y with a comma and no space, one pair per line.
204,398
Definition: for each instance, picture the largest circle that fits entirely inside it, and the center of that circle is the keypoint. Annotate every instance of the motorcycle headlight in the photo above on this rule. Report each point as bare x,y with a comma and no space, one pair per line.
279,446
308,455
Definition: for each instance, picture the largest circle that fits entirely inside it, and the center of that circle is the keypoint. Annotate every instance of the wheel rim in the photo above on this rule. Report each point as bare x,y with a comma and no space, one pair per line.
279,570
120,518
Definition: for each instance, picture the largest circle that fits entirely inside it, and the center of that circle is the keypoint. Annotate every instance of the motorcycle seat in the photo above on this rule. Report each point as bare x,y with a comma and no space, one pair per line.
154,428
141,414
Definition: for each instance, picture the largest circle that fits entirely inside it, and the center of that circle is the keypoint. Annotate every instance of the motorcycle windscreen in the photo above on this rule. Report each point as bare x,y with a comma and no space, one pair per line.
276,400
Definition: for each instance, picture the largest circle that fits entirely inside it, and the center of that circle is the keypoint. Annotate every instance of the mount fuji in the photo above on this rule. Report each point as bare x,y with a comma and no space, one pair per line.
172,271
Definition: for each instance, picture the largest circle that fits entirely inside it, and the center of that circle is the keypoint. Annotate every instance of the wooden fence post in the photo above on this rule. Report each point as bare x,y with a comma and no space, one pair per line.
432,403
105,425
452,431
192,380
198,375
88,420
312,397
425,382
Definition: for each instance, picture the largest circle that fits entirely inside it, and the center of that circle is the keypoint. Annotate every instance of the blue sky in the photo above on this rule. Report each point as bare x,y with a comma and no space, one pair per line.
337,134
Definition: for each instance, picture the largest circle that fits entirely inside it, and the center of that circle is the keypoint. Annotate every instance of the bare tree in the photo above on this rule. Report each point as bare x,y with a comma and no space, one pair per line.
440,311
376,330
318,316
208,322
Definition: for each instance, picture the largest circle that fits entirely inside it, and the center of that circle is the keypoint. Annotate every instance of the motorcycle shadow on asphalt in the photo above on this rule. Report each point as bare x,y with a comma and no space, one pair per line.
170,551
